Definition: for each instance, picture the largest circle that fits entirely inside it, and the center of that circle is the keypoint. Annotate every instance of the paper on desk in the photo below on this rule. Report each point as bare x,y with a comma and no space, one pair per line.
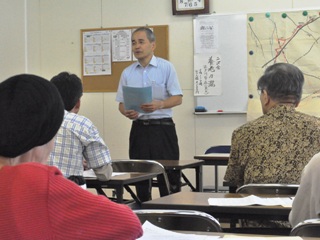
152,232
252,200
90,174
134,97
234,237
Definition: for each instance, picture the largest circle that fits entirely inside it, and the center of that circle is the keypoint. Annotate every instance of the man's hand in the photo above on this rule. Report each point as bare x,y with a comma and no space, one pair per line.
131,114
151,107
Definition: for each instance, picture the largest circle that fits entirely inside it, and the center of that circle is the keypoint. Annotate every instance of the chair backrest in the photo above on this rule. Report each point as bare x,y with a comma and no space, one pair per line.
218,149
179,220
272,188
134,165
308,228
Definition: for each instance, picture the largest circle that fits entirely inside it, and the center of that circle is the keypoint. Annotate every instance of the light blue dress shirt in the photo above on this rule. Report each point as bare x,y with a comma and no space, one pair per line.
161,75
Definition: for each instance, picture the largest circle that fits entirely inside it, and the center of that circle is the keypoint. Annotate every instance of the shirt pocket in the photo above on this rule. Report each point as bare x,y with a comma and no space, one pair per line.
159,91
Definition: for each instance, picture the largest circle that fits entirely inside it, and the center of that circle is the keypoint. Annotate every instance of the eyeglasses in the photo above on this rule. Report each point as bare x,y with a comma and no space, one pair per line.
260,91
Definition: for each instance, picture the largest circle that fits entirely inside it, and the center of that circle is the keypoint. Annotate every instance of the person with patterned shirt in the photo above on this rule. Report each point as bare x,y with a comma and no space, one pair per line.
78,140
275,147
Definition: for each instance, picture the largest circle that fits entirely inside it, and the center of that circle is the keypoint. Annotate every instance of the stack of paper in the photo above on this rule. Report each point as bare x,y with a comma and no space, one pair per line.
152,232
90,174
252,200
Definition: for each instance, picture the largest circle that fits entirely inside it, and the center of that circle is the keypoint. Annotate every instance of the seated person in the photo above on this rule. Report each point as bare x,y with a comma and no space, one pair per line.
37,202
275,147
78,140
306,204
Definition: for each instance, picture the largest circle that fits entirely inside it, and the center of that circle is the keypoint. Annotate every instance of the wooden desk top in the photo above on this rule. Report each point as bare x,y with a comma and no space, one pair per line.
122,179
213,156
217,159
180,164
199,201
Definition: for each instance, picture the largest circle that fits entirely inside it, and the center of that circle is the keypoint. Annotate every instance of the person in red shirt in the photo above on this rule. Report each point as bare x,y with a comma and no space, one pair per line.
37,201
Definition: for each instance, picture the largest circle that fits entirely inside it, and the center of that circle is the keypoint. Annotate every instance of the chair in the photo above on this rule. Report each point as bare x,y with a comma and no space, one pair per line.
134,165
179,220
216,149
307,228
272,188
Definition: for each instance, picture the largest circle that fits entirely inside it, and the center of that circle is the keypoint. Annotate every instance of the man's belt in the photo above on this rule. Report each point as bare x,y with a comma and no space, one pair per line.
160,121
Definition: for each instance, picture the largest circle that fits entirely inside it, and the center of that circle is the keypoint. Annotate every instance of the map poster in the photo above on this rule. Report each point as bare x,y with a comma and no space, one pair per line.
292,37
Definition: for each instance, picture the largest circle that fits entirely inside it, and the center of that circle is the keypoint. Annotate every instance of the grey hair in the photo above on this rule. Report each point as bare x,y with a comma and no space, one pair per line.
150,35
283,82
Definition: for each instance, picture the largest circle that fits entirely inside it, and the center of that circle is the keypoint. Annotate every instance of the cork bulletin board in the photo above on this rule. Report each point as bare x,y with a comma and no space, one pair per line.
109,83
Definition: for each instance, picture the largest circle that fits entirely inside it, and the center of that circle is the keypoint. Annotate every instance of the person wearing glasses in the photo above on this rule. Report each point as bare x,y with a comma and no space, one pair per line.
275,147
153,133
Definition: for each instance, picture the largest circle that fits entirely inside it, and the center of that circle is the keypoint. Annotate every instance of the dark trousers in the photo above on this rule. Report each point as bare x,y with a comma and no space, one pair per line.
155,140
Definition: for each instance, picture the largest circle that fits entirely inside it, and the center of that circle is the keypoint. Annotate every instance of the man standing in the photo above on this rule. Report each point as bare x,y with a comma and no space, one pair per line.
153,134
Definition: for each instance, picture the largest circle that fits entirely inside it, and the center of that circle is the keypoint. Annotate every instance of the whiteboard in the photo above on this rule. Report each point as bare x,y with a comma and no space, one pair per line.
231,47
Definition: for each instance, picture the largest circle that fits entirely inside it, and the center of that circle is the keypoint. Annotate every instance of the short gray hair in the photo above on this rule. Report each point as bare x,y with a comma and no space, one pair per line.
150,35
283,82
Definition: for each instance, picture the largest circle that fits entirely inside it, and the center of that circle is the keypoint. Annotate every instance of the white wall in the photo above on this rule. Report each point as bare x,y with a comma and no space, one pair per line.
12,44
43,37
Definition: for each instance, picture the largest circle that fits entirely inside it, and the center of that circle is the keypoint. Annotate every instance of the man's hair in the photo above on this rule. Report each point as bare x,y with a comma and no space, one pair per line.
70,88
150,35
283,82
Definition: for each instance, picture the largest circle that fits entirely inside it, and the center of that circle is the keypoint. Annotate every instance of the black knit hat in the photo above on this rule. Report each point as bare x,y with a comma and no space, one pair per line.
31,112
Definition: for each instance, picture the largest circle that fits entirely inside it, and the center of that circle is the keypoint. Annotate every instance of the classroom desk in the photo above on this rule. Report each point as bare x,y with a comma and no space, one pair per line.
179,165
199,201
119,182
216,160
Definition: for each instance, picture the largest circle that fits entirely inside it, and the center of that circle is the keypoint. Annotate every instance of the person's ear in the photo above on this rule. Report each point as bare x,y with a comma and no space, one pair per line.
153,46
78,103
265,98
76,108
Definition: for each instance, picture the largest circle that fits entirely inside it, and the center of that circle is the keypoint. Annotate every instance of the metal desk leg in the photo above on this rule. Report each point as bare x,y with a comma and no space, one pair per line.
119,192
188,182
100,191
199,184
216,186
134,196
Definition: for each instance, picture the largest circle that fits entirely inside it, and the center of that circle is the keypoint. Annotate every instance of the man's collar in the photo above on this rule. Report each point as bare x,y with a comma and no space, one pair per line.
153,62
